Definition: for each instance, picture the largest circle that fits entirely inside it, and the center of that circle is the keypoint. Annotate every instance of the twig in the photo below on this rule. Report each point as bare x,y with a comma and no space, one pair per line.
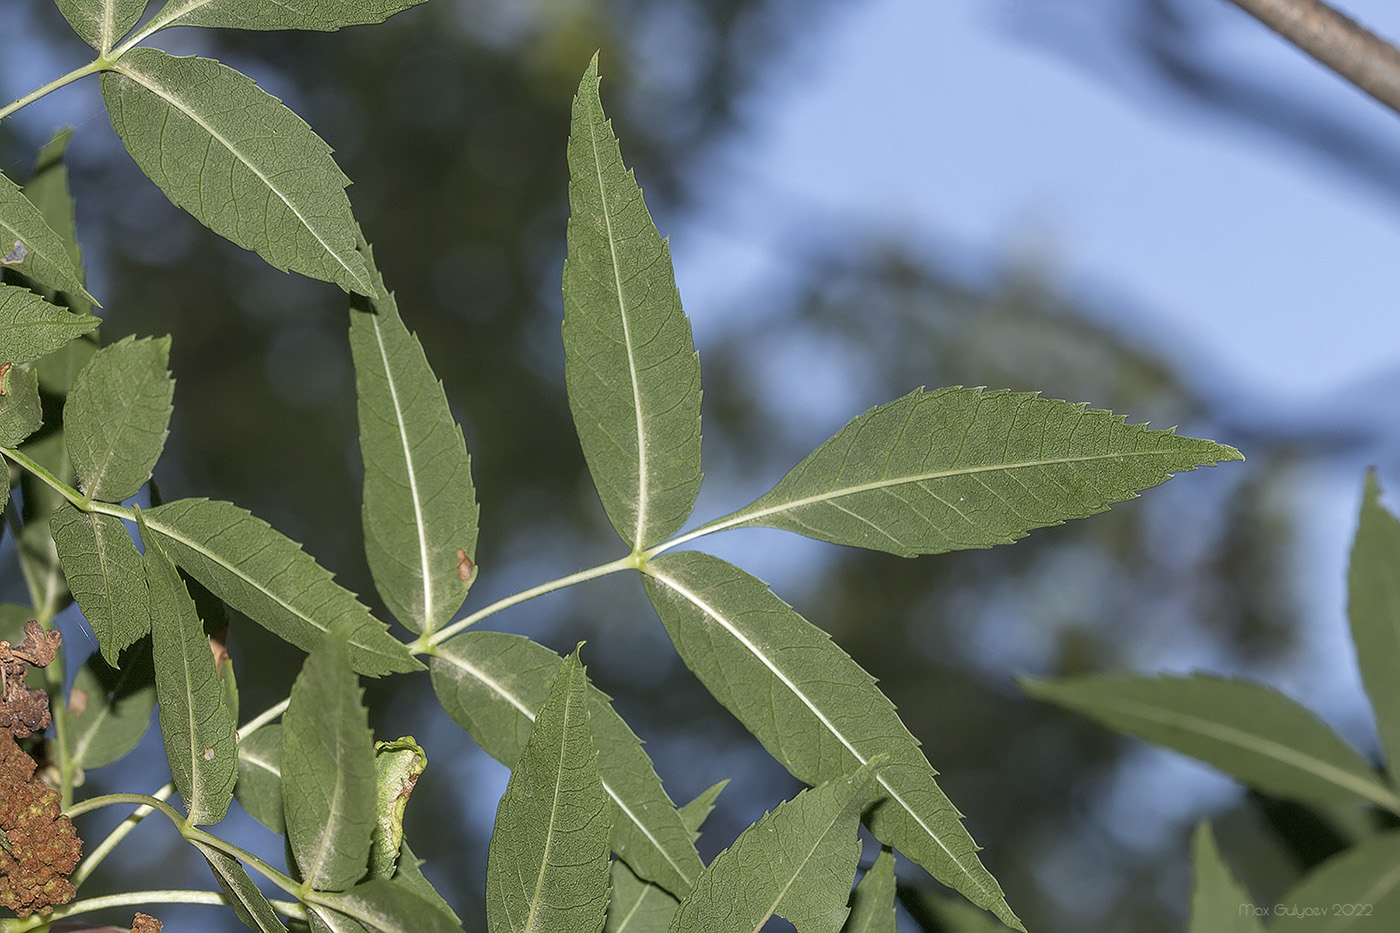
1335,40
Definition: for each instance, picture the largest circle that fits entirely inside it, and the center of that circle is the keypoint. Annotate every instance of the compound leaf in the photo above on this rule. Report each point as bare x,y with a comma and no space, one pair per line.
117,417
1374,607
492,684
269,578
814,709
1219,903
1357,889
796,861
321,15
630,365
30,327
328,786
967,468
420,512
1251,732
872,902
106,576
547,869
238,160
100,23
30,246
109,709
243,896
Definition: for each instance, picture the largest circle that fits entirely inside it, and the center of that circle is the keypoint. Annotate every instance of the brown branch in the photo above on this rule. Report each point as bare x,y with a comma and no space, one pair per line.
1335,40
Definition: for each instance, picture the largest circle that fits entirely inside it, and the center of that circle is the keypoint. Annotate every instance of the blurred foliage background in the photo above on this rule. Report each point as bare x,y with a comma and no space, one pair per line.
452,120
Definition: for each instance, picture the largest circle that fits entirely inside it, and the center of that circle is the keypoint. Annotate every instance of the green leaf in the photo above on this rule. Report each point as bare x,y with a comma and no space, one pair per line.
547,869
247,901
269,578
30,327
1357,889
117,417
1251,732
1219,903
200,743
106,575
100,23
259,787
492,684
814,709
20,412
967,468
630,365
410,876
48,191
796,862
389,907
109,709
38,555
1374,607
238,160
872,902
694,814
30,246
398,764
328,785
321,15
637,906
420,513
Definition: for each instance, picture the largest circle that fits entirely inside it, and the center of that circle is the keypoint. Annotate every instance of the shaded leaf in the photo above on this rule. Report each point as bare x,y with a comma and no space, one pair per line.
630,365
967,468
100,23
694,814
1219,903
48,191
814,709
106,576
1362,882
259,787
492,684
1373,605
42,254
547,869
872,902
637,906
30,327
797,862
409,875
328,786
389,907
269,578
1251,732
38,556
109,709
247,901
117,416
322,15
238,160
20,413
200,743
398,765
419,512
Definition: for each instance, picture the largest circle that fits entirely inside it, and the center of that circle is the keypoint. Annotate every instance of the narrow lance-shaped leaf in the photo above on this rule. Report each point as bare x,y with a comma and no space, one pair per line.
797,862
117,416
109,709
243,896
383,906
1374,607
492,684
321,15
100,23
238,160
814,709
200,743
1251,732
630,366
30,246
547,869
30,327
420,512
967,468
1362,882
328,786
20,411
105,573
872,902
1219,903
269,578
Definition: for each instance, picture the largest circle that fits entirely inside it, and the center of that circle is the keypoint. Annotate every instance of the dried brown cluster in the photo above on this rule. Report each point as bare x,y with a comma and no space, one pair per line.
38,845
145,923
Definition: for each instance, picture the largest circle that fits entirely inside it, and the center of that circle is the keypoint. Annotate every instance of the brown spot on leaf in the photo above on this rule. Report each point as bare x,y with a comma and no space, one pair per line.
464,566
77,702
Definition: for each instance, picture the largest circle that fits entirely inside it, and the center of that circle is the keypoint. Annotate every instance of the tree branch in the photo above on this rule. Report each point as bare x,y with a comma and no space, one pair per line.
1335,40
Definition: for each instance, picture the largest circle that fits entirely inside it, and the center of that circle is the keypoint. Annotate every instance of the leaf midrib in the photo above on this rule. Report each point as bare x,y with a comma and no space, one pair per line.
538,898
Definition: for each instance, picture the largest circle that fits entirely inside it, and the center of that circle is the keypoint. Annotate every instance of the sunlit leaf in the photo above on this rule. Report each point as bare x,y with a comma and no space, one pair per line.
420,513
259,787
967,468
100,23
20,412
269,578
117,416
872,902
388,907
398,764
109,709
1374,608
629,360
30,327
547,869
814,709
1251,732
492,684
247,901
797,862
1219,903
323,15
30,246
1356,890
328,775
194,722
238,160
105,573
